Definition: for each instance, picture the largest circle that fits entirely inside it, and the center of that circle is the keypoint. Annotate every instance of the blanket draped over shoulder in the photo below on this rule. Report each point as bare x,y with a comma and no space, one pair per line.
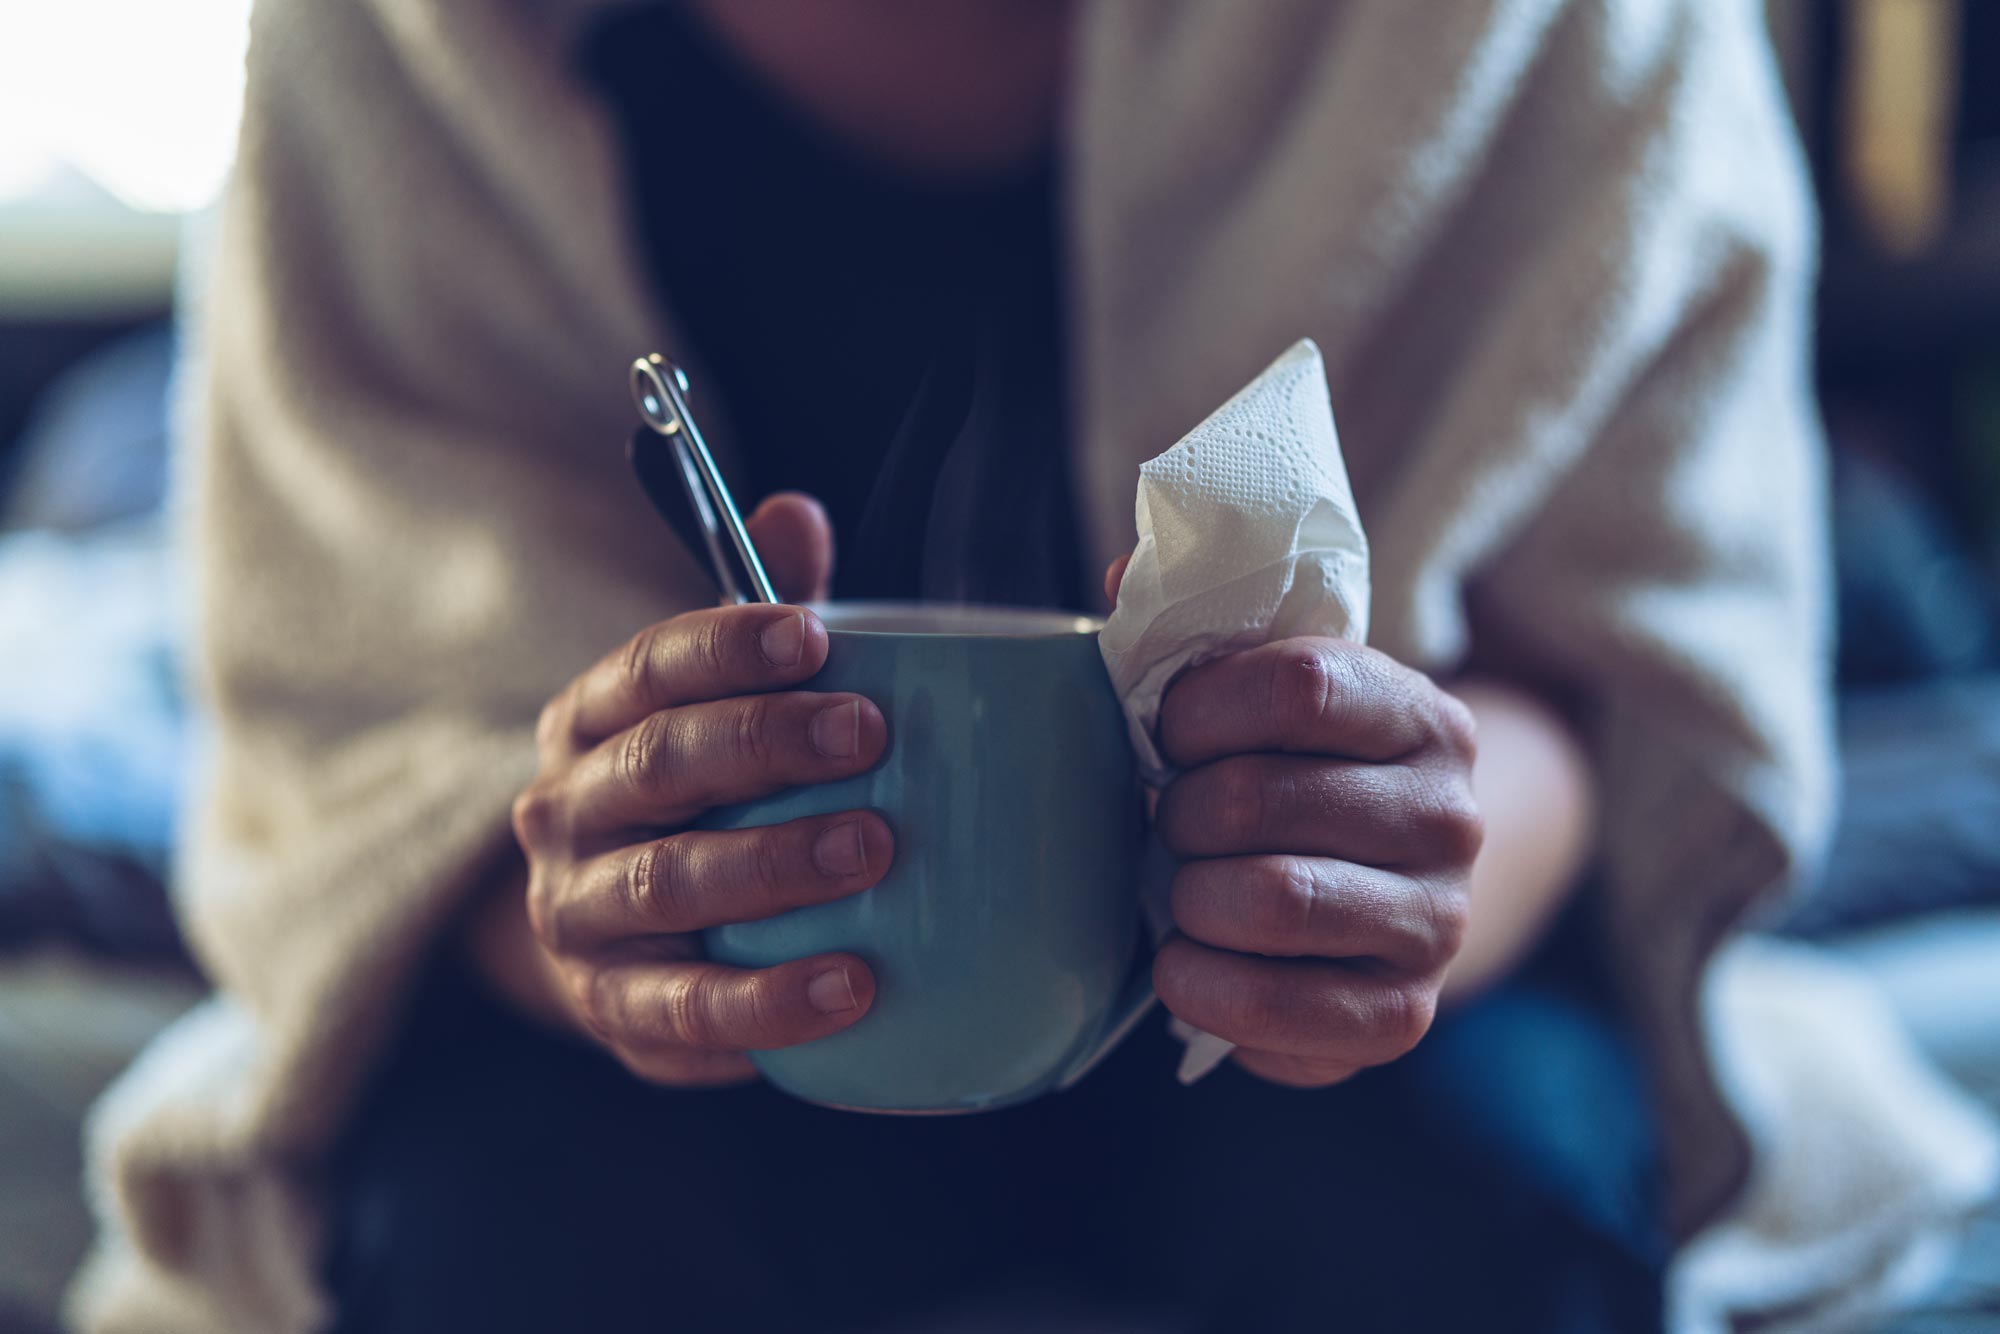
1558,257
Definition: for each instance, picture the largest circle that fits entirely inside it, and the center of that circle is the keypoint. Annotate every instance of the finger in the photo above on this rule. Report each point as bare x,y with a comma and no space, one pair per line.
1294,1071
676,764
794,538
647,1006
696,656
1314,696
1310,1008
1292,907
697,879
1389,815
1114,578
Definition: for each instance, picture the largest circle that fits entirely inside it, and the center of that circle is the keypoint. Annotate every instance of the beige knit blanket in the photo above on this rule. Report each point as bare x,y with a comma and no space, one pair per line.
1557,256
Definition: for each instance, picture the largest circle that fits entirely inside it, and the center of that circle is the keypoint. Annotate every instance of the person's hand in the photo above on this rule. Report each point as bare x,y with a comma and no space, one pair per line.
1325,821
691,713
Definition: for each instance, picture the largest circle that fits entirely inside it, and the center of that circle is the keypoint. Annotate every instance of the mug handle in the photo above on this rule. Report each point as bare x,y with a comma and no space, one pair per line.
1126,1012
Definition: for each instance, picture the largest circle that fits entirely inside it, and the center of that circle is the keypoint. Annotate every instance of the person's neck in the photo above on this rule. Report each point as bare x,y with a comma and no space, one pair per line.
944,87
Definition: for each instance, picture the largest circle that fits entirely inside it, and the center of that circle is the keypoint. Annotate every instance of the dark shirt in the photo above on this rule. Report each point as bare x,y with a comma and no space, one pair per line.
890,344
896,349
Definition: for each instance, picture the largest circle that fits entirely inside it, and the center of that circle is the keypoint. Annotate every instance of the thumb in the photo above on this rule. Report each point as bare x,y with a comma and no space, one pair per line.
795,539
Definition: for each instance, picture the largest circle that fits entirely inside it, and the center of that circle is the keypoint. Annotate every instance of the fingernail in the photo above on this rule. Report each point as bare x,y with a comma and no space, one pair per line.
836,732
831,992
838,851
783,641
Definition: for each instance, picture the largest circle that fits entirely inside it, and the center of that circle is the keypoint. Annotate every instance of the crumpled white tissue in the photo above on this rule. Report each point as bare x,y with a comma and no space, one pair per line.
1247,533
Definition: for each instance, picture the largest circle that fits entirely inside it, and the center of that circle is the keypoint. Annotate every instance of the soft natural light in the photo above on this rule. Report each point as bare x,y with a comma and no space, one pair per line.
139,95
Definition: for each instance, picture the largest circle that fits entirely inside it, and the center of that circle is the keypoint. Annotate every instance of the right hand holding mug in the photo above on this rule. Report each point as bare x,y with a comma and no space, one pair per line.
695,712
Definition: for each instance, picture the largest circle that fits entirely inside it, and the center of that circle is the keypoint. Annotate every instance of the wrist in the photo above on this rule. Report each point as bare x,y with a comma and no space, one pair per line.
1535,789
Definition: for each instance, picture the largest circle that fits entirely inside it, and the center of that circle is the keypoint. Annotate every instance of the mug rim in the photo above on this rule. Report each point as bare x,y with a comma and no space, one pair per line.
951,620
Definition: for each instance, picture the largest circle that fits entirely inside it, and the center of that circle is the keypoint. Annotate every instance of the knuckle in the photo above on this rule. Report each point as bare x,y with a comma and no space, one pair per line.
648,889
535,816
713,647
1404,697
1465,830
1403,1016
1450,823
542,914
1456,726
1286,900
1238,811
639,662
767,861
750,732
646,757
552,723
763,1009
691,1011
1450,913
1302,685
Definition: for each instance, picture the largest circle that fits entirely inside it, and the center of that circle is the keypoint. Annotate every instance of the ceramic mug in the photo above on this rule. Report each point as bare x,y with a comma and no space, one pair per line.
1006,936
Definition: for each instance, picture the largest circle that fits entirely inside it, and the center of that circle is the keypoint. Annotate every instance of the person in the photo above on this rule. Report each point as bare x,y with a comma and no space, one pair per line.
945,273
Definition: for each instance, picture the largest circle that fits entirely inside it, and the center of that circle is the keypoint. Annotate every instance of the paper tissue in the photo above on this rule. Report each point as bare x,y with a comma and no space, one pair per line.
1247,533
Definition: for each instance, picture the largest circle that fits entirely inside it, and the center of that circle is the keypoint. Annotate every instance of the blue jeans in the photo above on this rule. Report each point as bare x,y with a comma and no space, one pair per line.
1501,1177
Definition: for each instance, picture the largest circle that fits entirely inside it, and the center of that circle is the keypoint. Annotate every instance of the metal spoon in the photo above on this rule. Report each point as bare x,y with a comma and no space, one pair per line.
658,388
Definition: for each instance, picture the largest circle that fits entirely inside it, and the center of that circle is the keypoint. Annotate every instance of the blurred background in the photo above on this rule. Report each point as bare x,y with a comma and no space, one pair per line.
116,125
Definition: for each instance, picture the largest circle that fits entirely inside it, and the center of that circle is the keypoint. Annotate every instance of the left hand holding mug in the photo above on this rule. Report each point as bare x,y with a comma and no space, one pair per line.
1325,821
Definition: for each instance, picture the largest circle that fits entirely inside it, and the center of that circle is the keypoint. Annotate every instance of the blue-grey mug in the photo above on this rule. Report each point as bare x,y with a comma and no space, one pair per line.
1006,936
